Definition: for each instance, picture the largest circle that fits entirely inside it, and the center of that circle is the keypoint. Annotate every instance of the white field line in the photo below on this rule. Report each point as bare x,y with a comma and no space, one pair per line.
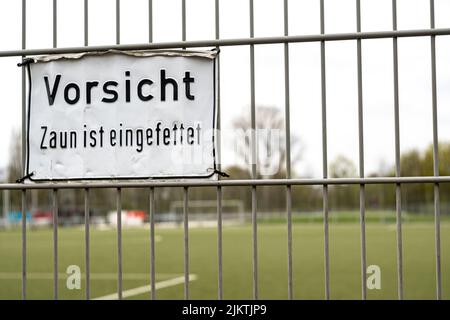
148,288
94,276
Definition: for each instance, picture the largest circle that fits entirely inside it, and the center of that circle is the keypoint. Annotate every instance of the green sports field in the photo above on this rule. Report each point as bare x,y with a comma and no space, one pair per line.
419,261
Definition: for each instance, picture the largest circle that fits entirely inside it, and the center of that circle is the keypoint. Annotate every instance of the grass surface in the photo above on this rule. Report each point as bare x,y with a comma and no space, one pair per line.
345,274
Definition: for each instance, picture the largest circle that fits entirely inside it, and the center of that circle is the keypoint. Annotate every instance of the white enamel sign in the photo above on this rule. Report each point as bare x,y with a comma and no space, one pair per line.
138,115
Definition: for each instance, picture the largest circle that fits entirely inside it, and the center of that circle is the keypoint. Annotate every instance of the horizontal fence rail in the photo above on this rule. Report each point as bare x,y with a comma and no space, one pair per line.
234,42
226,183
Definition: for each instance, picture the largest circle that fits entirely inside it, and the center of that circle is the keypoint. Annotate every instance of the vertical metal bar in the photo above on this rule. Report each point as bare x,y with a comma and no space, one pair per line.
363,240
362,194
150,21
55,191
255,243
55,242
398,208
219,244
288,151
252,92
24,108
86,190
55,24
217,20
185,189
119,190
398,191
24,244
117,21
286,92
437,210
24,98
183,20
219,165
289,241
152,190
253,158
186,243
119,242
86,22
324,153
87,242
152,244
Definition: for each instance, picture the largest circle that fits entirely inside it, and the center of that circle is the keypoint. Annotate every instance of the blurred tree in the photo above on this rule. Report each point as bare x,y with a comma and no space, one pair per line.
271,154
267,118
342,167
416,197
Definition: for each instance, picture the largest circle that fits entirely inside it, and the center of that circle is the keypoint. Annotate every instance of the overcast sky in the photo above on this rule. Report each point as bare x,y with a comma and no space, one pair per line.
414,66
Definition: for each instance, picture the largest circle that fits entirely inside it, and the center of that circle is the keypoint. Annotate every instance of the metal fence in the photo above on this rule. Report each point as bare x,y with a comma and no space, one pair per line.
253,183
